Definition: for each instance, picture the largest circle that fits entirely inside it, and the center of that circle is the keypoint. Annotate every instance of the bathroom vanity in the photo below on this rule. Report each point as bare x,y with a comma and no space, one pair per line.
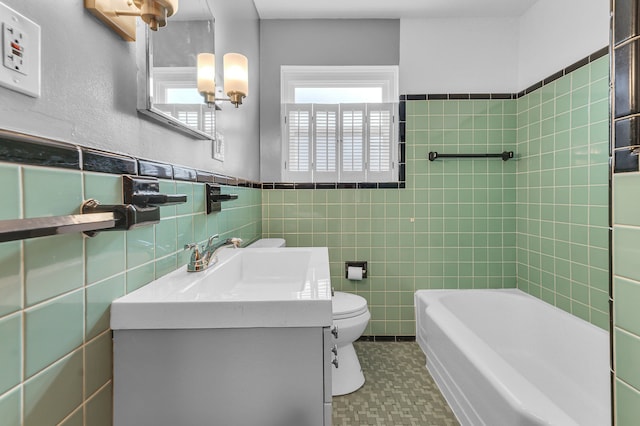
246,342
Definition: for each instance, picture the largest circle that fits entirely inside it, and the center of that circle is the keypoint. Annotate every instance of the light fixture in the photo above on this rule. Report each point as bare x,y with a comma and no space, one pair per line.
236,77
120,15
207,77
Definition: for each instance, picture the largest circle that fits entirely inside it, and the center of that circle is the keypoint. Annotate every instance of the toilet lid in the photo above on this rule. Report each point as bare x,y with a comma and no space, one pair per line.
347,305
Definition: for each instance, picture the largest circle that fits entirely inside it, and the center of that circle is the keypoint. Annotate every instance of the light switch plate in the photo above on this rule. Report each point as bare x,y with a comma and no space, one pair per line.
20,69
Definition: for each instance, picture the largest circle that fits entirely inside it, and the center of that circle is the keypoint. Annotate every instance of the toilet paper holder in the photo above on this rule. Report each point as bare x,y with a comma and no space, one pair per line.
356,264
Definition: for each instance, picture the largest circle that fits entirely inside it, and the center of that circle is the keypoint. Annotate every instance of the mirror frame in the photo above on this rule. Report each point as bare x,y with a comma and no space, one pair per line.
144,59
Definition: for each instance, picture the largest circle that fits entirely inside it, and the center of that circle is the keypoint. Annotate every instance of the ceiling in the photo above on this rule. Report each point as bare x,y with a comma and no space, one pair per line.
354,9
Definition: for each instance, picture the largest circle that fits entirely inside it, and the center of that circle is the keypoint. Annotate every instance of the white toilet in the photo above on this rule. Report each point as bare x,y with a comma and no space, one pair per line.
350,316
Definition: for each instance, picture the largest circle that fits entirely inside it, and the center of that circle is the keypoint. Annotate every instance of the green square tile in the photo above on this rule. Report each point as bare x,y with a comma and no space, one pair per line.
626,294
627,404
627,353
53,266
104,188
75,419
165,265
98,304
140,246
105,255
53,330
62,197
10,352
100,408
166,240
98,362
186,189
199,203
54,393
10,278
10,408
10,192
626,209
626,250
140,276
167,187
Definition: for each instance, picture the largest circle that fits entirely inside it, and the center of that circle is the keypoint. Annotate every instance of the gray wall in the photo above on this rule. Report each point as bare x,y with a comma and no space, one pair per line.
89,91
314,42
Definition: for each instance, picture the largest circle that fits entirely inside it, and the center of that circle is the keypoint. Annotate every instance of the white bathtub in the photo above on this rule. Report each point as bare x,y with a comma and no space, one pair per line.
505,358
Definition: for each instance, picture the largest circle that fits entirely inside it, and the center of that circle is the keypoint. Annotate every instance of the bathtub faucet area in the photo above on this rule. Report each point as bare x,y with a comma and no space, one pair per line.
201,259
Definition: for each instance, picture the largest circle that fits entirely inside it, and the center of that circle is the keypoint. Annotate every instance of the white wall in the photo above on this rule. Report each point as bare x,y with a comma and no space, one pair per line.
497,55
313,42
89,91
554,34
458,55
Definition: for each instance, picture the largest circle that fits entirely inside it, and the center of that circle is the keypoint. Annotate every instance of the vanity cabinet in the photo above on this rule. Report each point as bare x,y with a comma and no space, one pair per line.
224,376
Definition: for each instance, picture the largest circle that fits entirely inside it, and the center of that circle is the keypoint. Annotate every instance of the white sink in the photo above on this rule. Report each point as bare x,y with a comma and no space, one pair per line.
250,287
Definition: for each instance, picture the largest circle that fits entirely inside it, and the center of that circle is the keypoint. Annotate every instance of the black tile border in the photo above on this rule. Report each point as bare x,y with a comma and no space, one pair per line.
24,149
495,96
99,161
20,148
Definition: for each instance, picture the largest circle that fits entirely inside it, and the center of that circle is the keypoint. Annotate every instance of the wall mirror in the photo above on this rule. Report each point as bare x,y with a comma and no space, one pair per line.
167,77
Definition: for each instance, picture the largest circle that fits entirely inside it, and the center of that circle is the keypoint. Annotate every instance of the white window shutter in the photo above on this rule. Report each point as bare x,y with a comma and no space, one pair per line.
353,139
381,142
325,142
297,142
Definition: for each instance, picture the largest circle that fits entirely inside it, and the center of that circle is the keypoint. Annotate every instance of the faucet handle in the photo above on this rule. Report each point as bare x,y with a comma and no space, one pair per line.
195,253
211,238
235,241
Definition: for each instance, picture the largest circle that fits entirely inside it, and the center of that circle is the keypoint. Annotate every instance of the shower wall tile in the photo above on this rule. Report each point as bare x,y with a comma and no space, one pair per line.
562,192
626,358
55,292
627,409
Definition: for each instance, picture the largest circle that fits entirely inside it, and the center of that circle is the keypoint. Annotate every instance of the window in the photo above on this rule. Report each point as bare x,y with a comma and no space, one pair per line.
339,124
175,93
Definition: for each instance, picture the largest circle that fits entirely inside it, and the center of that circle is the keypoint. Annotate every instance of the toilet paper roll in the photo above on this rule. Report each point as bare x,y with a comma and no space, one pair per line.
354,273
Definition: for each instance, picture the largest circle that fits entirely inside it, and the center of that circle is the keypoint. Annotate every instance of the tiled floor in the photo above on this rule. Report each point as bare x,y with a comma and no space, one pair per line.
398,390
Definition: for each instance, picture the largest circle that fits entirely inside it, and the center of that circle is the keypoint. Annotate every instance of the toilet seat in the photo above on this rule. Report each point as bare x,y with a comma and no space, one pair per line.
347,305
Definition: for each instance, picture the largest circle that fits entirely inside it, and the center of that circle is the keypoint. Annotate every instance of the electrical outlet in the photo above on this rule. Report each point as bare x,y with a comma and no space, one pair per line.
20,52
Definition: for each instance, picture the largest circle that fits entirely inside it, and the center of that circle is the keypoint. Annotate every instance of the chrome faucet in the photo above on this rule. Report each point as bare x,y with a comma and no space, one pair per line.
202,258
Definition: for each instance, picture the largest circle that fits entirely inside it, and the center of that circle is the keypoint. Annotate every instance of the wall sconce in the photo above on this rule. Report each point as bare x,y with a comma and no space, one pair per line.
236,77
207,77
120,15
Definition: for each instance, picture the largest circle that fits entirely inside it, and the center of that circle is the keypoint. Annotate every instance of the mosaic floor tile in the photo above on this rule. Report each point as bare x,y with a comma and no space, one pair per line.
398,390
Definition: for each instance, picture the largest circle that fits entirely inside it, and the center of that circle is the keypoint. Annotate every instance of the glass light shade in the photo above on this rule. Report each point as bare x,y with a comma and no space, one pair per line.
206,73
236,74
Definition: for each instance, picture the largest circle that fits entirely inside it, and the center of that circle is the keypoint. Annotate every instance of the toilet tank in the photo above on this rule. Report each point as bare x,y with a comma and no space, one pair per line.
269,243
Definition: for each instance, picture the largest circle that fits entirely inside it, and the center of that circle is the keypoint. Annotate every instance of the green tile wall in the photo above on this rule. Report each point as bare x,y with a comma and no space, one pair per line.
539,222
453,226
626,296
562,196
55,292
